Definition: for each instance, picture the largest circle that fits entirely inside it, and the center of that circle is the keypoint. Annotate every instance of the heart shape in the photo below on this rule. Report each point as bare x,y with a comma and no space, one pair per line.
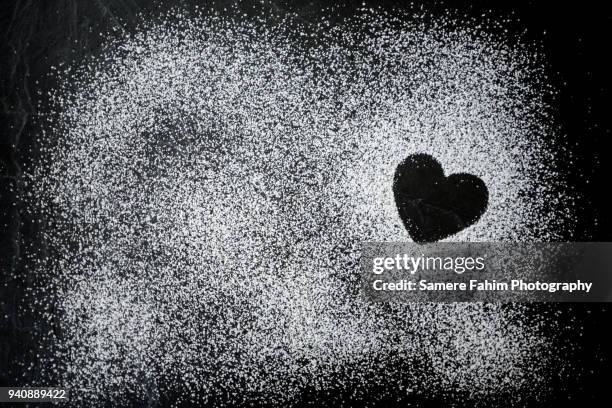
433,206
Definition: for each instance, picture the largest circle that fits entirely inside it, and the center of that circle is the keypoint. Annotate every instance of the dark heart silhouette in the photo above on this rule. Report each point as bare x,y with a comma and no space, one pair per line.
433,206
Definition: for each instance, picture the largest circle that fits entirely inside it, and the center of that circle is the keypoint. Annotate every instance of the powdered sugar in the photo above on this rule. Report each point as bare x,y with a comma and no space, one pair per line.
213,182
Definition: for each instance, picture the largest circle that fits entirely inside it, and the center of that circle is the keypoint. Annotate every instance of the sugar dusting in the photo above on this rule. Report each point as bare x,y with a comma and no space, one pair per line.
210,182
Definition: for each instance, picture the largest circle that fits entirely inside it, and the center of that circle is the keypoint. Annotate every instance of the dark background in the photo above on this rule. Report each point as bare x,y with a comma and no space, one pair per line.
38,34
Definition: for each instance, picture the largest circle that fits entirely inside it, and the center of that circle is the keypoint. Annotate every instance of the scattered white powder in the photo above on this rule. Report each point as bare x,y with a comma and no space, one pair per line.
210,182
